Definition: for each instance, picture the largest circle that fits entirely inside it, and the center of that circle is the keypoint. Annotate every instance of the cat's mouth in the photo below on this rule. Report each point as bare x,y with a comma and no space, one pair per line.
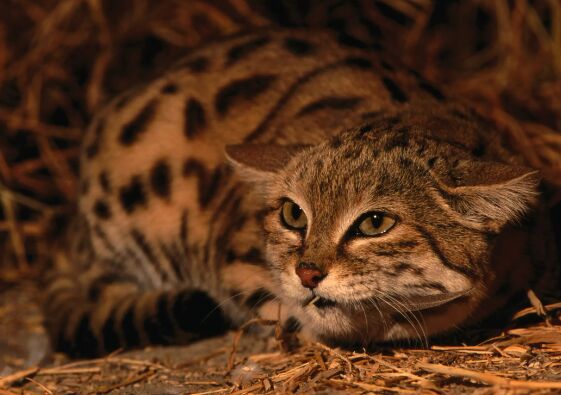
418,303
319,302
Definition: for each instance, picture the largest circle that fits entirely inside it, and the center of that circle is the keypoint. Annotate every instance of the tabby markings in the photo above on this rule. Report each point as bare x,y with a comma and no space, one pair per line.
104,182
160,179
169,89
128,326
109,334
361,63
139,124
195,312
298,46
85,341
195,118
175,257
432,90
196,65
207,182
466,271
102,209
330,103
140,240
259,298
133,195
242,89
163,315
93,148
350,41
395,90
393,14
241,51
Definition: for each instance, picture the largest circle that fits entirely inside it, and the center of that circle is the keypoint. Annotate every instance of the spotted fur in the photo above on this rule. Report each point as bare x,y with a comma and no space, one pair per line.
179,234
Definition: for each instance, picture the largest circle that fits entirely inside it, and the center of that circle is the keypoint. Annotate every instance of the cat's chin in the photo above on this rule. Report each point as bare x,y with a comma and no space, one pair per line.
338,322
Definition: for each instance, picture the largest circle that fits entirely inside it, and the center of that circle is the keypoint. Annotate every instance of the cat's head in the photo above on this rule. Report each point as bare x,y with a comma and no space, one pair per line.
381,233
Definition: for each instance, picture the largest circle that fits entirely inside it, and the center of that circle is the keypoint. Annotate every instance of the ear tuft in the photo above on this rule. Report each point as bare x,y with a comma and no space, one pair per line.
257,162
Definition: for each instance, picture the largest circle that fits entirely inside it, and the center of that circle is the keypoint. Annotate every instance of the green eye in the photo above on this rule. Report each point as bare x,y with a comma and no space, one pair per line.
293,216
375,224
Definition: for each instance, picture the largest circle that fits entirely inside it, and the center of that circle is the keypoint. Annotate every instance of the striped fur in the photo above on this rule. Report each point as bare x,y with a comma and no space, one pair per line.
172,242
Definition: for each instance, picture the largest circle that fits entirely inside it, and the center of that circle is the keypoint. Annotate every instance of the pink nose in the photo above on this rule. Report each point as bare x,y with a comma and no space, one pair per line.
310,275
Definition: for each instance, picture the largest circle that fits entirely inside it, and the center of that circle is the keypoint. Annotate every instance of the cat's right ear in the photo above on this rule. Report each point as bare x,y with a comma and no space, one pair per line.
259,162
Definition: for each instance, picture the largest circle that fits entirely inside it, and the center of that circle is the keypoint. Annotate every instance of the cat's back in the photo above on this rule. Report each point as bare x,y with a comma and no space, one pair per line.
160,147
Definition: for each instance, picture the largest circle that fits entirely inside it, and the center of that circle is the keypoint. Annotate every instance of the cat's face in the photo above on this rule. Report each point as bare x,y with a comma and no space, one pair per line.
367,243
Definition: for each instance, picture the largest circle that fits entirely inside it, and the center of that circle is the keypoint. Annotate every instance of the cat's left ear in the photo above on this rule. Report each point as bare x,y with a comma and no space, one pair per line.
493,194
259,162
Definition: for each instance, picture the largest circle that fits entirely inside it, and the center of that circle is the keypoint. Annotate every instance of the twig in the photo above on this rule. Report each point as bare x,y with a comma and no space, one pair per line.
43,387
373,387
238,335
126,382
7,380
488,377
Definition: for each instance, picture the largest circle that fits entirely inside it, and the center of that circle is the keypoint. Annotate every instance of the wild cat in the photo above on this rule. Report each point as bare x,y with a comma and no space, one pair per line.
292,167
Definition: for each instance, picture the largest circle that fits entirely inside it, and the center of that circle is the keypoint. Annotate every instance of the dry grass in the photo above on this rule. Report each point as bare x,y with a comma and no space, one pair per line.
61,59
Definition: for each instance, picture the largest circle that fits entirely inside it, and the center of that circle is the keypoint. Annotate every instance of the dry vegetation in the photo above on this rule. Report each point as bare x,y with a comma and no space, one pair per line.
61,59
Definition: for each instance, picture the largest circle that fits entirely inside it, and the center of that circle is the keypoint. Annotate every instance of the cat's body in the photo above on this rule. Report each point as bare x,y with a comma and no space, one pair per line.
172,242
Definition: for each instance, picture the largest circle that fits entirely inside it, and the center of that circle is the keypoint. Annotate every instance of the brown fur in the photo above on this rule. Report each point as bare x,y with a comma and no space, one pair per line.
170,242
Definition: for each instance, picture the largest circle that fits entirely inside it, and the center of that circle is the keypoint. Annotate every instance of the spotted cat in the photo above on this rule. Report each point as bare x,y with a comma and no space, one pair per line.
290,168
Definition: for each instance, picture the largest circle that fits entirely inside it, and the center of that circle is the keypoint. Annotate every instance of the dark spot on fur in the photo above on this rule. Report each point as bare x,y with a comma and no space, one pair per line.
337,24
109,335
196,65
479,150
298,46
102,210
258,298
133,195
85,341
361,63
195,118
138,125
142,243
104,181
130,332
393,14
291,325
350,41
432,90
330,103
163,316
253,256
160,179
169,88
93,148
395,90
240,51
125,98
208,182
398,140
387,66
366,128
336,142
195,312
242,89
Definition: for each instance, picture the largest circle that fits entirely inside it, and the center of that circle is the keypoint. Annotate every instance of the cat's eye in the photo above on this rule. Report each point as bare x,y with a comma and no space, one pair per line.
293,216
374,224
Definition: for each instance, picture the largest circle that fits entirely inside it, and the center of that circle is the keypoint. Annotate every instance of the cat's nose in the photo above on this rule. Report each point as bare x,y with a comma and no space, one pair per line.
310,274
